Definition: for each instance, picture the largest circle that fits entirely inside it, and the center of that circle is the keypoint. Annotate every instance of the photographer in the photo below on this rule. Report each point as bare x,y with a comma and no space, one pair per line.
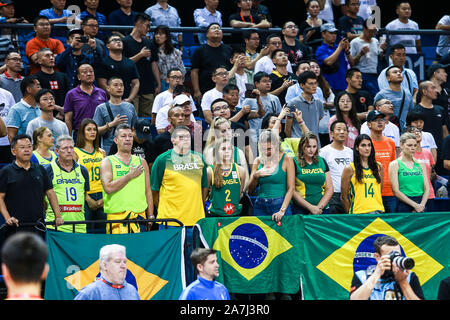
387,281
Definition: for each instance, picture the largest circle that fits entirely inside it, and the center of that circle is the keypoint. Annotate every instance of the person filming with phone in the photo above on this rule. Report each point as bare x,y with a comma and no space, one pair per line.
73,57
390,279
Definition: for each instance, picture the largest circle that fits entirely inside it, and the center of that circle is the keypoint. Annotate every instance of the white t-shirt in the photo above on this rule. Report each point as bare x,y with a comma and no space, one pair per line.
165,98
209,97
368,62
6,102
443,46
327,12
408,40
390,131
336,160
265,64
365,10
162,118
240,83
428,141
158,103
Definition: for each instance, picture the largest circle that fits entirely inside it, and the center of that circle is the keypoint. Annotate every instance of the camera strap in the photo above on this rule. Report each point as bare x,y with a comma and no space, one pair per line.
398,291
108,108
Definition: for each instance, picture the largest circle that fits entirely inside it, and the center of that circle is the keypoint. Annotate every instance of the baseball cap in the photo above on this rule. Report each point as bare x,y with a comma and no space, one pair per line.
374,114
180,99
330,27
434,67
143,128
5,2
75,31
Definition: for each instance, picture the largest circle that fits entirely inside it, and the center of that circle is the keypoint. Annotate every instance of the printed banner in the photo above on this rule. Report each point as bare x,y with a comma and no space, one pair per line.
255,254
322,253
154,263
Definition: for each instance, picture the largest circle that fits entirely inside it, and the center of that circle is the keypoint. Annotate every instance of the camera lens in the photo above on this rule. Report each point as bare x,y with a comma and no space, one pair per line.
405,263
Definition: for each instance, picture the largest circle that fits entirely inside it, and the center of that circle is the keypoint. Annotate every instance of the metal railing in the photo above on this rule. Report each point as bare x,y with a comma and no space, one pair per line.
387,32
60,26
164,222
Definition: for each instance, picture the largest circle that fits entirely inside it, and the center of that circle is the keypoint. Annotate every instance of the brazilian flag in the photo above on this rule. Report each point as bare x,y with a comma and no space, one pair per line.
255,254
155,261
336,246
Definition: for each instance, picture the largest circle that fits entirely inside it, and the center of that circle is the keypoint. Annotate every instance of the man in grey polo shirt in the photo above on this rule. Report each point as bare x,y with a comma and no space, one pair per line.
311,108
10,80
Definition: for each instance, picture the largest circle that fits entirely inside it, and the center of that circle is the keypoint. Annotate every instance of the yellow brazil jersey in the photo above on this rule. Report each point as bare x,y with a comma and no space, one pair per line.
179,181
91,161
365,197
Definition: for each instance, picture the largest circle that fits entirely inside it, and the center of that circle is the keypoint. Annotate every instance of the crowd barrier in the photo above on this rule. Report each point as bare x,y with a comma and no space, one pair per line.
312,257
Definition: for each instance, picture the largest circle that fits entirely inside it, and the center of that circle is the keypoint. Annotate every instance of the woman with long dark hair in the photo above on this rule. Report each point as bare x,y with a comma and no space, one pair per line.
346,111
362,179
88,153
169,57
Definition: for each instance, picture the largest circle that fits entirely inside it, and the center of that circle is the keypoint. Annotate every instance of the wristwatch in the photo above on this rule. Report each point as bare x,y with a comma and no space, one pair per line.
283,209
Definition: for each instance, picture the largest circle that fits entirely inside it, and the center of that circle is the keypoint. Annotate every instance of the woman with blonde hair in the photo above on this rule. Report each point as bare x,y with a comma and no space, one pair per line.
409,178
274,173
42,143
221,127
227,181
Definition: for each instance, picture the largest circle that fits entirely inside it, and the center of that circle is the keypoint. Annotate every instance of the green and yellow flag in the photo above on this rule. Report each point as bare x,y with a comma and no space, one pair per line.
255,254
336,246
320,254
154,262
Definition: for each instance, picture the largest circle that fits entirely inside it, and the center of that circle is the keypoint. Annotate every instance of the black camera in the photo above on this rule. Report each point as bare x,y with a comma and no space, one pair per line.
402,262
84,39
249,91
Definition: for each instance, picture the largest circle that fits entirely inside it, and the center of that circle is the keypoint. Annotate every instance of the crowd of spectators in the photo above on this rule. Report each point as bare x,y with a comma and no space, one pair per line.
262,124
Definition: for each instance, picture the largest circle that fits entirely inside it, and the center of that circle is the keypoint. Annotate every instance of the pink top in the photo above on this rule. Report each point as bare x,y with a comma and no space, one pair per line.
427,158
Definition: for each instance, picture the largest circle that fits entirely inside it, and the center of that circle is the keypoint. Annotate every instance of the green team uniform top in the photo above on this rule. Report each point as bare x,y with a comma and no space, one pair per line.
275,185
70,188
132,196
224,202
410,181
310,180
179,179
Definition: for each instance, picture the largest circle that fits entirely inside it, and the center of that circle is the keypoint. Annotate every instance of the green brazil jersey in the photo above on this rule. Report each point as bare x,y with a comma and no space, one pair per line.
224,201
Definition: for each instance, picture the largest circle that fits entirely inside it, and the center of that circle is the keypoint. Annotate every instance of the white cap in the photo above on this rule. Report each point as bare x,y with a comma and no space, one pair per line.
181,99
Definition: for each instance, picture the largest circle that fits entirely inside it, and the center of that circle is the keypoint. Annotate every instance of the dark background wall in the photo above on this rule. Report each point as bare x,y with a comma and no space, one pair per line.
425,13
